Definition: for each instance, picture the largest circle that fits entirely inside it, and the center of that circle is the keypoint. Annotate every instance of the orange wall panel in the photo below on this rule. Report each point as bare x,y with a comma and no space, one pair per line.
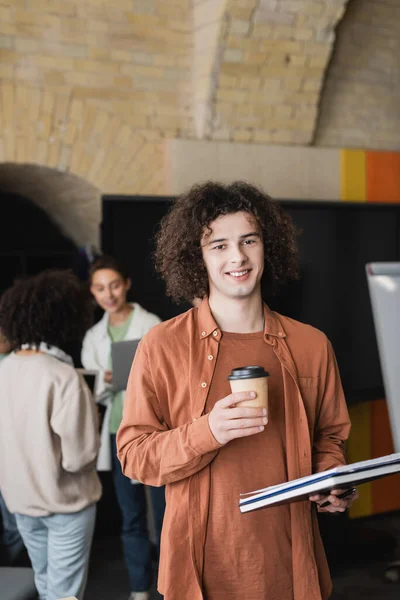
383,176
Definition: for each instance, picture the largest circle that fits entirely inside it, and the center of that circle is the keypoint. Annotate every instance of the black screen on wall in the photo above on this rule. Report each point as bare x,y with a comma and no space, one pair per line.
336,240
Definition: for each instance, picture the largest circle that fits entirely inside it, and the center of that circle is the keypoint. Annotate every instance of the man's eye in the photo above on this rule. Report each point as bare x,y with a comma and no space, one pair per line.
248,242
219,247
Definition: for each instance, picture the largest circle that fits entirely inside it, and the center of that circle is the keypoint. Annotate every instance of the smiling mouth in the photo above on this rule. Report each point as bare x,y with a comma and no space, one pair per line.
239,274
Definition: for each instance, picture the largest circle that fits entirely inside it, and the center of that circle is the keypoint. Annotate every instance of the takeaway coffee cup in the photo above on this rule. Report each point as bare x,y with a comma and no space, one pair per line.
252,378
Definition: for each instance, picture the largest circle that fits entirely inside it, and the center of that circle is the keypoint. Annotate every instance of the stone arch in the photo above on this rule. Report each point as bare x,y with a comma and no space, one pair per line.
71,202
361,96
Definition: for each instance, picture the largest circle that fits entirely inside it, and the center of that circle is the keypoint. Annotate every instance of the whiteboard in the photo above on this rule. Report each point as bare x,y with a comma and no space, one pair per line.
384,289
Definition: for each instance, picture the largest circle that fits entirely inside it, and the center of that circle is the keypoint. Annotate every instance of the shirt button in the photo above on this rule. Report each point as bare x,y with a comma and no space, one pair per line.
210,357
215,333
203,385
280,334
203,333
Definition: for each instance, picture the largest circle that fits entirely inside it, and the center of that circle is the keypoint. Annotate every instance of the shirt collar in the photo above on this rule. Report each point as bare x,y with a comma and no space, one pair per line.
207,325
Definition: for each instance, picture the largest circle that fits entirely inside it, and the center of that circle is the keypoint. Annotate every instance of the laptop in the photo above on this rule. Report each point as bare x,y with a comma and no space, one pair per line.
122,355
90,377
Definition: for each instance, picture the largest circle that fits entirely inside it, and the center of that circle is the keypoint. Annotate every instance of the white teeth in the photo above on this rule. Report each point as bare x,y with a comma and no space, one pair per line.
238,273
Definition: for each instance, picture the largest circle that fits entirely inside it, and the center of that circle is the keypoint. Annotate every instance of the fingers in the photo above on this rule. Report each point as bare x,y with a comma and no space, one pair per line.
246,423
235,398
336,504
240,433
242,412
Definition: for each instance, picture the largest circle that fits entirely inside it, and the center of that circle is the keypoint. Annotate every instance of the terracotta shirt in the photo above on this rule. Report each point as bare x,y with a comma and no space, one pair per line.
164,438
255,559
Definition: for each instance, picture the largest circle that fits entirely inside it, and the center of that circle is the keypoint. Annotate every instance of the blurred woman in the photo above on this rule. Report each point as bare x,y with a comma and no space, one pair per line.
48,430
109,285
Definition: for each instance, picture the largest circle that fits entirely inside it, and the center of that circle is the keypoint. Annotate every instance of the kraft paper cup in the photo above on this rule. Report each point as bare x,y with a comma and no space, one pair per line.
251,378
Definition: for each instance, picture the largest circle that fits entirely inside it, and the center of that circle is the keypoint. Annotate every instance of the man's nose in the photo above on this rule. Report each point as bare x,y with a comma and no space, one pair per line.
238,255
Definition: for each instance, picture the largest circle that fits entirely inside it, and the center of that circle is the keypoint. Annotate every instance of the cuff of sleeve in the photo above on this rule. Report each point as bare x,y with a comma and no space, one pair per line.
202,440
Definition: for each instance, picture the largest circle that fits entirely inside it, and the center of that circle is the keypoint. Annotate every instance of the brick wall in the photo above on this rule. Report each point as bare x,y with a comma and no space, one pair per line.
95,88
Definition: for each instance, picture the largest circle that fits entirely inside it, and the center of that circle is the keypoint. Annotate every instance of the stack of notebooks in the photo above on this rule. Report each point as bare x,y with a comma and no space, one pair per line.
321,483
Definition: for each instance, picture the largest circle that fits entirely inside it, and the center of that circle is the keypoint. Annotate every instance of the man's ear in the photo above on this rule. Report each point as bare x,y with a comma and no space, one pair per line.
128,284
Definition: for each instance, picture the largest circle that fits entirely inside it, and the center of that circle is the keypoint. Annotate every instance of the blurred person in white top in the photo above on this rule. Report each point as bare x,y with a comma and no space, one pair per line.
122,320
49,430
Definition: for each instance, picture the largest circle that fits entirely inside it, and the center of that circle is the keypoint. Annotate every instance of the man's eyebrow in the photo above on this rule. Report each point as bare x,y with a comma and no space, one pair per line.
251,234
216,241
242,237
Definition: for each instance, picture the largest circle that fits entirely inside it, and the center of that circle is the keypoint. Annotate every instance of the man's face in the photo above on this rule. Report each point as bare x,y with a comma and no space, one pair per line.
233,253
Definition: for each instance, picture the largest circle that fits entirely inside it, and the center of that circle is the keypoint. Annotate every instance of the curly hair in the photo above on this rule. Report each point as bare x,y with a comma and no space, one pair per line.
178,255
51,307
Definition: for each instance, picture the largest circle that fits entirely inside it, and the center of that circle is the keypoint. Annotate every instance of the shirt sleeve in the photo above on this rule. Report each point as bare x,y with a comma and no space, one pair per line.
148,450
333,423
76,423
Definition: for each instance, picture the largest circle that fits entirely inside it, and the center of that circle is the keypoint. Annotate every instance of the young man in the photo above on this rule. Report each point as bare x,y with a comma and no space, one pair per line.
182,427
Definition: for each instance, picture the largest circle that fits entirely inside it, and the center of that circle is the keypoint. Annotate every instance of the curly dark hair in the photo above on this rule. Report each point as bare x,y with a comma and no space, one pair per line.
51,307
105,261
178,255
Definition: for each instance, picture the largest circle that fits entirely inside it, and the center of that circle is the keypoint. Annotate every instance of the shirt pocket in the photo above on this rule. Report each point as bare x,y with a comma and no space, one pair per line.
309,387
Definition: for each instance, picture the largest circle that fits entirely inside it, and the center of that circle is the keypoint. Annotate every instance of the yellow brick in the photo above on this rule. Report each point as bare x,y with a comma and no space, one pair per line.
142,71
65,8
43,22
283,112
122,82
7,28
98,66
6,13
43,127
54,153
256,58
261,135
261,31
312,8
283,137
145,20
250,83
41,152
240,13
74,25
71,133
312,85
232,95
242,135
318,61
225,108
26,45
228,81
97,26
292,83
261,110
6,71
282,32
137,121
237,43
297,60
304,34
161,122
100,53
237,70
53,77
281,46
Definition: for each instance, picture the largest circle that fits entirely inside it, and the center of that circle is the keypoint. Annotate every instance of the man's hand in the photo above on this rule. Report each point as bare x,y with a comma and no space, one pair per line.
335,504
228,420
108,376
